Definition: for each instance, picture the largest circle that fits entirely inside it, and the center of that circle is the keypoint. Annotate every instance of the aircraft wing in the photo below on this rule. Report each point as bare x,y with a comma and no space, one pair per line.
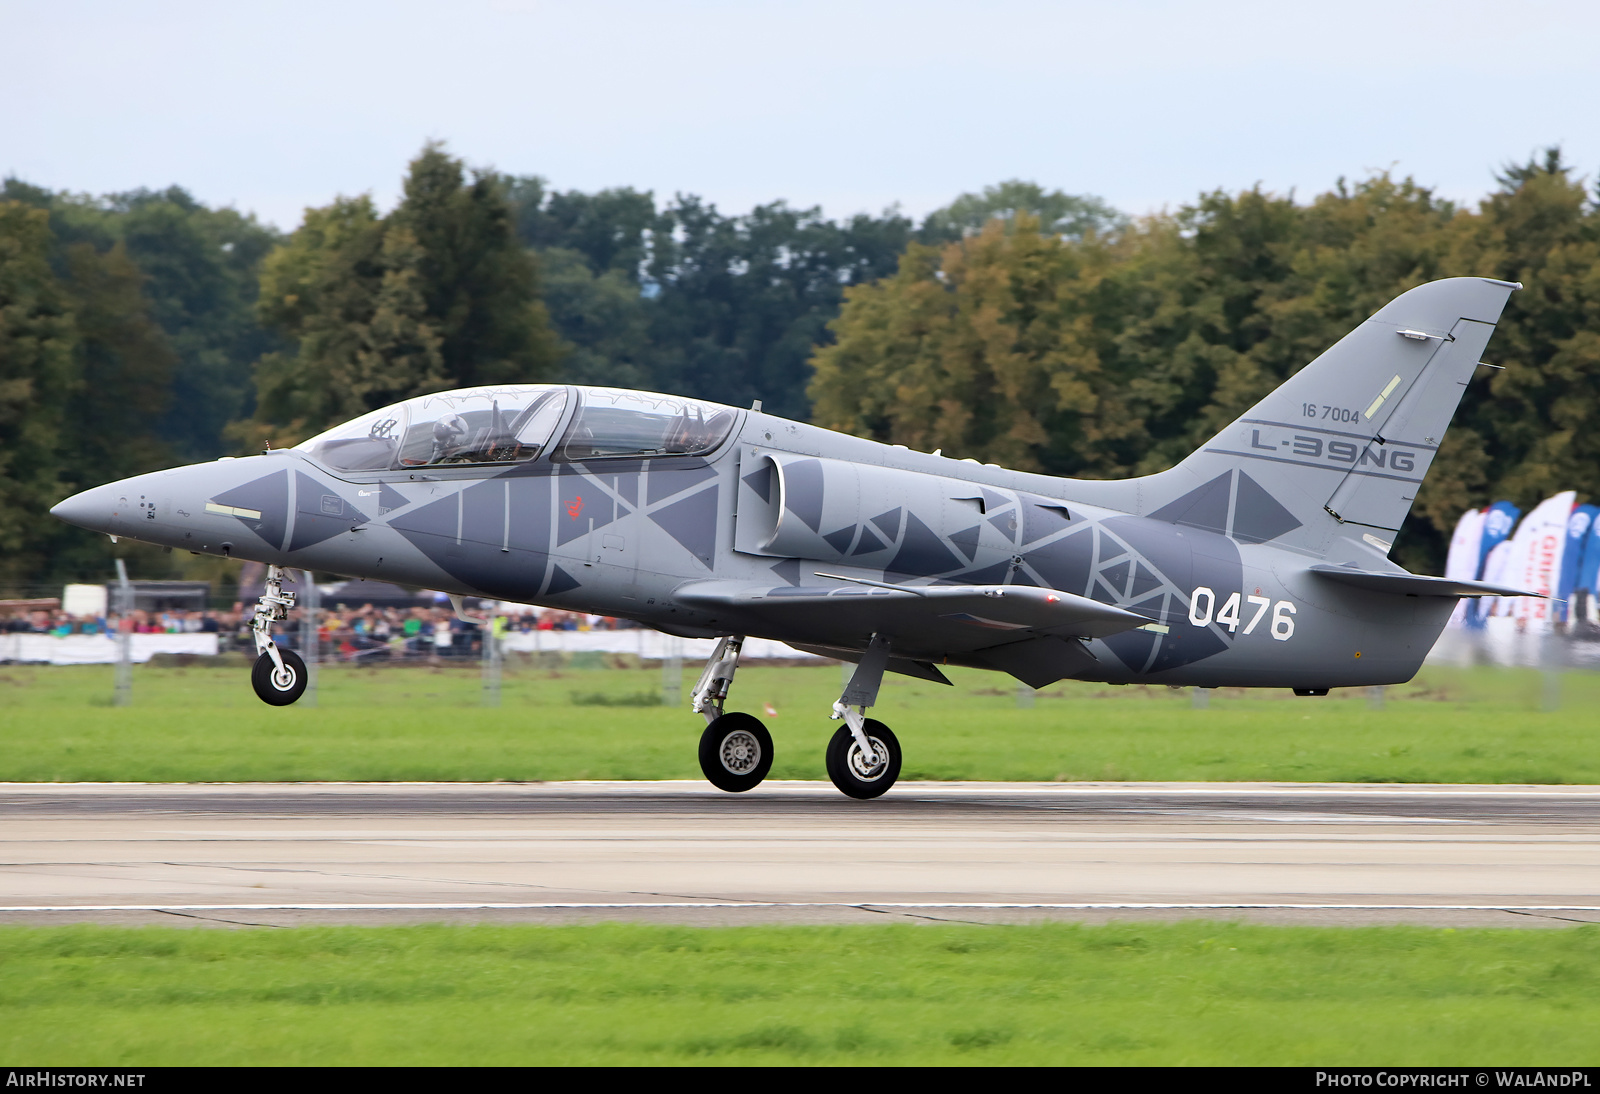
1416,584
931,620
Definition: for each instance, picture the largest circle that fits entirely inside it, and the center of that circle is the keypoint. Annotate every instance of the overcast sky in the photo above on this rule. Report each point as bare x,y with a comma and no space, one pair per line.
853,105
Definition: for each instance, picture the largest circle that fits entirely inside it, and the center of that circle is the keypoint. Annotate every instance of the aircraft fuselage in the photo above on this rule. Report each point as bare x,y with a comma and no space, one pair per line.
622,536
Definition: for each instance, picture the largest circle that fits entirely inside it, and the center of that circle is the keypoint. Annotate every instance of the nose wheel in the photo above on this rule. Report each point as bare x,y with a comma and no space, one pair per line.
855,772
279,676
735,752
279,684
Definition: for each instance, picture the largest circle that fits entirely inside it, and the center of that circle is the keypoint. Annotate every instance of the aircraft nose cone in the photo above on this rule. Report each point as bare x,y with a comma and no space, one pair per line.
92,509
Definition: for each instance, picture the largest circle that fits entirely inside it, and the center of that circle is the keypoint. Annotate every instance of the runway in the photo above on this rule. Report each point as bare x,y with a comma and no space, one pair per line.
789,852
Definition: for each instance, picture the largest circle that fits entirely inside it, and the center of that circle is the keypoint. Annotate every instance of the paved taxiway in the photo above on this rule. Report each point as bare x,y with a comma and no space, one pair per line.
797,852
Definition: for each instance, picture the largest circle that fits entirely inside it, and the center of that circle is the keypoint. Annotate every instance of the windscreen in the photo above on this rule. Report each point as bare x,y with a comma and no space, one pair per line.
471,426
369,443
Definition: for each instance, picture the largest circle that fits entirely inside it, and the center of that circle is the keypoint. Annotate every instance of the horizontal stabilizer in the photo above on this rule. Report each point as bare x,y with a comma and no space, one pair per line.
1415,584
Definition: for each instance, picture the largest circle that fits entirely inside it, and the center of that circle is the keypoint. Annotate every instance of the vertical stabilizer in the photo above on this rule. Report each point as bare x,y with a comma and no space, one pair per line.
1340,449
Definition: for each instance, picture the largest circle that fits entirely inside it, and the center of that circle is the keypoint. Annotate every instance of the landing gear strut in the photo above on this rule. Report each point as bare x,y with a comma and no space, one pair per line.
735,749
863,757
279,676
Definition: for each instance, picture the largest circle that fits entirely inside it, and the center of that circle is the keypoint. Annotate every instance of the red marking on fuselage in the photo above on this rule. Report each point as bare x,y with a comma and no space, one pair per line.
576,507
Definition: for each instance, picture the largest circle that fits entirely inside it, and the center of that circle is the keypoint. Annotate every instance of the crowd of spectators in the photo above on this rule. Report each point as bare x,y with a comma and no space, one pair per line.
60,624
344,633
371,633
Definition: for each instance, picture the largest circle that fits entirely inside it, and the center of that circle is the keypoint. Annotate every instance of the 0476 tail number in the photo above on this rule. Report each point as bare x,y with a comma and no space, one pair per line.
1203,611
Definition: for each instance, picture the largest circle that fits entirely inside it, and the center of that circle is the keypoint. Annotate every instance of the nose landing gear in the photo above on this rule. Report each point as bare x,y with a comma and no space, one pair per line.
735,752
278,676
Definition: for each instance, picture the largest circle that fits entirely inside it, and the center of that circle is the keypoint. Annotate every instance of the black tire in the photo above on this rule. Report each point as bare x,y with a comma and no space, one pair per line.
736,752
273,689
845,767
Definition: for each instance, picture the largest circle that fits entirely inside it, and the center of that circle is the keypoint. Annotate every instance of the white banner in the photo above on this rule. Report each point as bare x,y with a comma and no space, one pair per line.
1462,563
1537,565
99,649
648,644
1494,573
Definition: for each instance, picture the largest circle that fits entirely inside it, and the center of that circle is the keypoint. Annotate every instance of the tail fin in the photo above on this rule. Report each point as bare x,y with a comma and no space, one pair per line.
1339,451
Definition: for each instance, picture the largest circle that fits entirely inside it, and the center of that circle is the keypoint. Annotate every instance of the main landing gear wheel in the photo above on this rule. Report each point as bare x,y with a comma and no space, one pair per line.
736,752
275,686
847,766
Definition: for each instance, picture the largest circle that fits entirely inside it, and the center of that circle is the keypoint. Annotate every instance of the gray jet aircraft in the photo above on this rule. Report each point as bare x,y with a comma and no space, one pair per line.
1261,560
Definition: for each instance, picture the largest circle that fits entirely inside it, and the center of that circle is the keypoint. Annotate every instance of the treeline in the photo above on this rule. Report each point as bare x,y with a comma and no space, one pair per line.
1033,328
682,298
127,331
1118,353
142,330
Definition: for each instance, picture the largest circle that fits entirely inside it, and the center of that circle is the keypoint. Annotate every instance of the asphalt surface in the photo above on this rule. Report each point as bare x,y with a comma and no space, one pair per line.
282,855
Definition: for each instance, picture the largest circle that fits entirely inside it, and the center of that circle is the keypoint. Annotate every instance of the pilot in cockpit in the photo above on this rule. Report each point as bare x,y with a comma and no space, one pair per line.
449,436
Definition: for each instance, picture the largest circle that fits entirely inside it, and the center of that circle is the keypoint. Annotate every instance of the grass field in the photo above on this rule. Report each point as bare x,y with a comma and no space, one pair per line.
203,723
1189,993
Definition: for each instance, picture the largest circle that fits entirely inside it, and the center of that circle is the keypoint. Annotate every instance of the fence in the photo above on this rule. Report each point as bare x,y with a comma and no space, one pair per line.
1500,643
648,645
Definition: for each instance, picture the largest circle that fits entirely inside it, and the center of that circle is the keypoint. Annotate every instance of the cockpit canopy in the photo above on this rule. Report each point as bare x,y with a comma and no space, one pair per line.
514,423
614,422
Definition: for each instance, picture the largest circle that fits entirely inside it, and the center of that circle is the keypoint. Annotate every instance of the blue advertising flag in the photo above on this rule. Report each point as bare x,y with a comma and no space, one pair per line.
1589,568
1578,526
1498,524
1586,588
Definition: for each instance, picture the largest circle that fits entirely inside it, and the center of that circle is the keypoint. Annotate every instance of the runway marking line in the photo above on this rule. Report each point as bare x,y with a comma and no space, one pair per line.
904,790
971,905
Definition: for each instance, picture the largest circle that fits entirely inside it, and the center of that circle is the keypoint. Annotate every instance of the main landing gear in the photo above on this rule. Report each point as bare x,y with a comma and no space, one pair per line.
735,749
863,758
279,676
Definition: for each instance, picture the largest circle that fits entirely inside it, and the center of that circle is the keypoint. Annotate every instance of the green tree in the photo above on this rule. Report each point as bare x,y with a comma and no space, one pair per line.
480,286
688,299
1540,418
981,348
38,375
85,378
611,229
1071,215
604,319
125,366
199,270
1118,353
439,294
322,290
